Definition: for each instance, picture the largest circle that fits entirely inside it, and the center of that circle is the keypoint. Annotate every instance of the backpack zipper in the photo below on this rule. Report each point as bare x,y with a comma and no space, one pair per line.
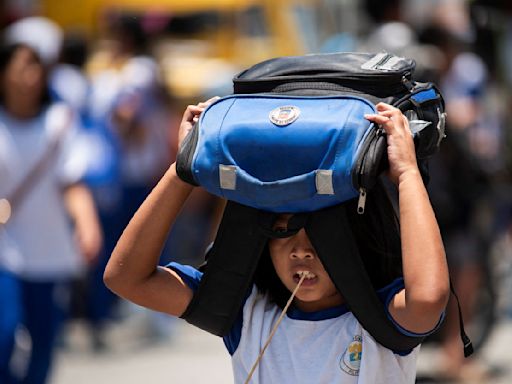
362,188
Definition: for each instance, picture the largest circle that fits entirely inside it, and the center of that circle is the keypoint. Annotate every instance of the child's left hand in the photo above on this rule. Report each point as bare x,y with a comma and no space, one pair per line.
191,116
401,150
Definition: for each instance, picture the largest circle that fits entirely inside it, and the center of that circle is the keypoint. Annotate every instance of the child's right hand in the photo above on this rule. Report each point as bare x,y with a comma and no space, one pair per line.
401,151
191,116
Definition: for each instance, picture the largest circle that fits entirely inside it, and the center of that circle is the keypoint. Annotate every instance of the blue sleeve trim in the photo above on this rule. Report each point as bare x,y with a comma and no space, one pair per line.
324,314
386,294
389,292
191,276
232,339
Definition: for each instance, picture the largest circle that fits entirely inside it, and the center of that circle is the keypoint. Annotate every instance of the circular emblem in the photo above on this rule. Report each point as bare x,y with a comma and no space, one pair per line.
284,115
350,361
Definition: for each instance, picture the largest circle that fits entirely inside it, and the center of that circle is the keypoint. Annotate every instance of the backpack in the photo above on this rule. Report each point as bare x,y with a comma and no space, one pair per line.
293,138
305,114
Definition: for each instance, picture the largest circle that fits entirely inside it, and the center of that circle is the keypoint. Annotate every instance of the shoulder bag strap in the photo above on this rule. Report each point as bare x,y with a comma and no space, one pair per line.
15,198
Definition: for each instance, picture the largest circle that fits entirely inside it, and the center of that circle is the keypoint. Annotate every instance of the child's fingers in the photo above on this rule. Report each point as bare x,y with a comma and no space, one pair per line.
390,118
206,103
190,112
385,122
379,119
193,111
384,107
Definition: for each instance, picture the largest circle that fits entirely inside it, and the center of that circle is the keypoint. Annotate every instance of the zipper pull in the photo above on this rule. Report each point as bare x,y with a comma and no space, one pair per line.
361,202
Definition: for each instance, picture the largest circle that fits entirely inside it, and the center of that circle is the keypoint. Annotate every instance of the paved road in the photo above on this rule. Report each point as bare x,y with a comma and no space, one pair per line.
191,356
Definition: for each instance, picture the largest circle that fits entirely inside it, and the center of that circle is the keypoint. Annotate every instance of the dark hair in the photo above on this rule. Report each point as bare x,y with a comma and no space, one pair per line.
7,52
376,233
382,10
128,27
74,49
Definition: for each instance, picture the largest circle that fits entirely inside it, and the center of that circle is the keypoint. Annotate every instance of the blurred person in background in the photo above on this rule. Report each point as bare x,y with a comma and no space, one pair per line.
126,94
460,187
472,158
129,123
54,228
91,301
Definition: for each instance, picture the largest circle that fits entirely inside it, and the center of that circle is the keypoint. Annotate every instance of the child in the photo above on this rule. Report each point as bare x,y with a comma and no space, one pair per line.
319,340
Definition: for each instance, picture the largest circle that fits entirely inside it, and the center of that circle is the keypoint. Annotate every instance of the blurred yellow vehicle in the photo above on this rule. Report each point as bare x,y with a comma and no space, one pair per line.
213,40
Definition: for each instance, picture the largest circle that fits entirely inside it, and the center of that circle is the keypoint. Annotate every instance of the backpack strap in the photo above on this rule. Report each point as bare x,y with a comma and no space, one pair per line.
232,262
57,120
236,252
349,275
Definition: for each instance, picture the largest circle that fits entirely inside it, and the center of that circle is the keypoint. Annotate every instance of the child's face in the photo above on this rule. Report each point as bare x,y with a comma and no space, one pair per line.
294,254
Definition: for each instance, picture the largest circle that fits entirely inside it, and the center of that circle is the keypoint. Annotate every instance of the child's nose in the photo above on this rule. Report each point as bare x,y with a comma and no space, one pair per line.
302,248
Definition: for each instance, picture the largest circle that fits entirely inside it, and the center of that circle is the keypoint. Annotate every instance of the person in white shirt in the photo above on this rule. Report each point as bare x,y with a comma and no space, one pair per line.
319,340
53,230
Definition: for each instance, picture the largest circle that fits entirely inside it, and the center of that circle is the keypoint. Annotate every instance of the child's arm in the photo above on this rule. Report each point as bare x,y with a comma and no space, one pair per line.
132,271
419,306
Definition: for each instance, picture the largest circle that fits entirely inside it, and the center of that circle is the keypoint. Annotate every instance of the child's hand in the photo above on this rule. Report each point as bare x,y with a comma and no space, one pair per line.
401,150
191,116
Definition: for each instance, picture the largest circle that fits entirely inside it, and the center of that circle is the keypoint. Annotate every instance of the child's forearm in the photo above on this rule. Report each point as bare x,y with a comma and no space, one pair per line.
418,306
424,262
137,252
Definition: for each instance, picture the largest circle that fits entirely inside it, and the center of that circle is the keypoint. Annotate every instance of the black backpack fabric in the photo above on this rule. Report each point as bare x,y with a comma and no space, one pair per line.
381,77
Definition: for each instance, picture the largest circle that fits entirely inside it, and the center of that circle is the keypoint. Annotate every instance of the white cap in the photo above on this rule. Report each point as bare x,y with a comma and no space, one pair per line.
40,33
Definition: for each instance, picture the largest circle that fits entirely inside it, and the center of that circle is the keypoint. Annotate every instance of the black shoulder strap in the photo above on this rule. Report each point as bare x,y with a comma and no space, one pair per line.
232,262
348,273
236,252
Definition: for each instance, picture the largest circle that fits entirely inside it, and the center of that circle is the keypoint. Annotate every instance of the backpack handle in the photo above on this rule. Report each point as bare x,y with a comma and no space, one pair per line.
235,181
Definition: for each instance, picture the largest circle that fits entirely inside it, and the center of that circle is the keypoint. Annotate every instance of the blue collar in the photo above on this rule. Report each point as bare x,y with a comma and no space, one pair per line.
324,314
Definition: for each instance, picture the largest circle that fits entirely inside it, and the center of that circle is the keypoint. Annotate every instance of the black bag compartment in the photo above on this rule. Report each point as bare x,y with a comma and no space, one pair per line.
380,77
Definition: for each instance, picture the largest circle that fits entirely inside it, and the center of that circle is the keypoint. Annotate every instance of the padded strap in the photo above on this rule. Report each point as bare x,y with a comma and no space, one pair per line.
237,249
348,273
231,265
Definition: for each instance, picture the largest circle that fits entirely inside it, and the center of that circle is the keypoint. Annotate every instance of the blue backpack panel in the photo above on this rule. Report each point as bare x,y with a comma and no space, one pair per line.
281,153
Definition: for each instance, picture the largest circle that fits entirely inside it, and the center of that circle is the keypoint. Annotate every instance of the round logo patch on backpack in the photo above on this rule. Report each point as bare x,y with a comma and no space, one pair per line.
284,115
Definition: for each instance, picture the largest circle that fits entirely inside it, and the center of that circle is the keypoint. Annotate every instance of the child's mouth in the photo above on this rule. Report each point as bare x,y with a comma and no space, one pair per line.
309,277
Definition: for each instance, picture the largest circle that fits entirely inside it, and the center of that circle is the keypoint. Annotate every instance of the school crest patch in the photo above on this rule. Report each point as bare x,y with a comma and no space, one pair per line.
350,361
285,115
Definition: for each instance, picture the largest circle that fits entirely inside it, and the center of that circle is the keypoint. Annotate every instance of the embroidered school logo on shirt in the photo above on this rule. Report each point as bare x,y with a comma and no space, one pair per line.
350,361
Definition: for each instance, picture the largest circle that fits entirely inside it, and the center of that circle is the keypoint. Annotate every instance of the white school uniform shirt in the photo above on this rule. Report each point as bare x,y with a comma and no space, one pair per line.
332,350
324,347
37,243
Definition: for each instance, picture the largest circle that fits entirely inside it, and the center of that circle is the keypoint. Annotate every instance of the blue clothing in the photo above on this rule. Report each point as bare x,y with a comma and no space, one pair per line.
41,308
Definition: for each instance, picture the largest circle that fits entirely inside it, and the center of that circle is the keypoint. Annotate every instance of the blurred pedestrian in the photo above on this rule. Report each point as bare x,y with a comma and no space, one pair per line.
53,229
461,181
127,114
91,301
